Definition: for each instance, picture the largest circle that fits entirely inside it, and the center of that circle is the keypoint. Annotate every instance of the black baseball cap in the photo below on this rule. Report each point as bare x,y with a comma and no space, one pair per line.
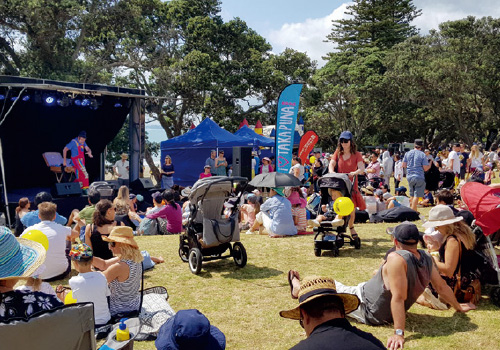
406,233
419,142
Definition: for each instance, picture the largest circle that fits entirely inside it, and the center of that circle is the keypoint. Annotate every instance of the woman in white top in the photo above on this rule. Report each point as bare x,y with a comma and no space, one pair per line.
297,168
475,159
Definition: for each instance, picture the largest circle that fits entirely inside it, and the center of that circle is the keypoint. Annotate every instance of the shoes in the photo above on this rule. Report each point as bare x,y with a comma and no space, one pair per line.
249,232
337,222
314,223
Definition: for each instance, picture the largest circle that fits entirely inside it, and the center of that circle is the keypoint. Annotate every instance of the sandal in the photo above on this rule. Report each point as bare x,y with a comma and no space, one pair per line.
291,275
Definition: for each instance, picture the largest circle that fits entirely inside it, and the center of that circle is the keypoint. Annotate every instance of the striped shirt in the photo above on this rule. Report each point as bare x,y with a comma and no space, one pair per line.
301,215
125,296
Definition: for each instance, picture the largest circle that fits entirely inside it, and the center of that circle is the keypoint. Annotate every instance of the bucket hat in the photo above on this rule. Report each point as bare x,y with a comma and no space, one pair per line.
313,287
19,257
441,215
122,234
295,199
189,329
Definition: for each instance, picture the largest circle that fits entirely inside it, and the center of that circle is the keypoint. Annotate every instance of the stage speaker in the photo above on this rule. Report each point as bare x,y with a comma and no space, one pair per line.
242,162
65,189
141,184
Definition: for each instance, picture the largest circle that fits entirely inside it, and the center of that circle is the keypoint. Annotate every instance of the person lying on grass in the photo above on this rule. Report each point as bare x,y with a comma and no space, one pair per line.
394,289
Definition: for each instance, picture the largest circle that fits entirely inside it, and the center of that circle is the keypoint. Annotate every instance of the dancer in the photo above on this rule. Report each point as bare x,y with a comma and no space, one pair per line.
77,146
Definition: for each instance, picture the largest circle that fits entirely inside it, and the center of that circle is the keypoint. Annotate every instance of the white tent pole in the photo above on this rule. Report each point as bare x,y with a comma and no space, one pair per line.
4,185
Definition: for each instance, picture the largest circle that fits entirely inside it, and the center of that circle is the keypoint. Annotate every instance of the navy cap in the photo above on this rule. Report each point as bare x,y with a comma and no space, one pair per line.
83,134
400,189
419,142
406,233
189,329
346,135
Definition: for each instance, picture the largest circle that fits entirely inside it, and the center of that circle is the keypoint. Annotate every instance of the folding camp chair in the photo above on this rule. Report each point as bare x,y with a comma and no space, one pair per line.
54,161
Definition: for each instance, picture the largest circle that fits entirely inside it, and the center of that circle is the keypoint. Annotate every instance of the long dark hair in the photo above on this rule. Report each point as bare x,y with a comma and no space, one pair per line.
340,149
169,197
100,212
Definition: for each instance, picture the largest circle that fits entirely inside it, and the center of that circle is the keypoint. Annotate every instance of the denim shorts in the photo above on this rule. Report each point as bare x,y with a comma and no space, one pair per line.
417,187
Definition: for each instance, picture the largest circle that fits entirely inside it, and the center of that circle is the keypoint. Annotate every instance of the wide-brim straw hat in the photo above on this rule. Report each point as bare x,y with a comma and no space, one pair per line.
441,215
19,257
122,234
314,287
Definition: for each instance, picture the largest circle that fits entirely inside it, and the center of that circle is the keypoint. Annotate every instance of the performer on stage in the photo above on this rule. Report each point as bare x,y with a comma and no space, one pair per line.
77,147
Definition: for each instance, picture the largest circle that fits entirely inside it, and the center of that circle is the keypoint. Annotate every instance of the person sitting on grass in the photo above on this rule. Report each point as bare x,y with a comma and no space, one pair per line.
249,211
428,199
445,197
149,226
321,313
20,259
88,286
399,199
275,216
31,218
171,212
398,283
299,214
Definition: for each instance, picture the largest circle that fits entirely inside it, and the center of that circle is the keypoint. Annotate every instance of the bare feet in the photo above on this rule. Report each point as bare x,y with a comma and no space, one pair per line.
158,260
294,281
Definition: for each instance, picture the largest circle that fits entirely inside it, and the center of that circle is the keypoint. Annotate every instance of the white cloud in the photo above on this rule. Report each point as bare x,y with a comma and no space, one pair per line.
307,36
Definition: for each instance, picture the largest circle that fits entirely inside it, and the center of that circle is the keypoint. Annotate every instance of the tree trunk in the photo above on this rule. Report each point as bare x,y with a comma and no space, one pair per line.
152,166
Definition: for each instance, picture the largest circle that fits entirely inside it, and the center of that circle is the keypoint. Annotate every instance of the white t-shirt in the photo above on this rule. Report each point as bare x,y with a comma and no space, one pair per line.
93,287
456,162
398,170
56,261
121,168
387,163
476,162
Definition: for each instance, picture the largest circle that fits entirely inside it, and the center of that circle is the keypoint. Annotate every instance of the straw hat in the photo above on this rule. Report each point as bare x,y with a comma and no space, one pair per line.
313,287
122,234
19,258
441,215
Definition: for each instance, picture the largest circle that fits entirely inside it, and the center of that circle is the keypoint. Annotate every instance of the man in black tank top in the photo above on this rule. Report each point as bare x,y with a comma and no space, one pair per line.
387,296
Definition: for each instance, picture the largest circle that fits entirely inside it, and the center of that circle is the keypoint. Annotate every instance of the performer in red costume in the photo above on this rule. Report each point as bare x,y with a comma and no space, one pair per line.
77,146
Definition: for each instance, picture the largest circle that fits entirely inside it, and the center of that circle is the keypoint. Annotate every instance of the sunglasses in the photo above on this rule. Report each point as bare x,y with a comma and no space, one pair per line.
344,141
112,244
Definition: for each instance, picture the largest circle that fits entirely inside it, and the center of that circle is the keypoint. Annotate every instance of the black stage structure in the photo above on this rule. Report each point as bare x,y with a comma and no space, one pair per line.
38,116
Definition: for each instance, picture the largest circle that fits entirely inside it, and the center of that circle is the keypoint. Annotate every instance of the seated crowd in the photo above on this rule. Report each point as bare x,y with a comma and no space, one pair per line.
110,264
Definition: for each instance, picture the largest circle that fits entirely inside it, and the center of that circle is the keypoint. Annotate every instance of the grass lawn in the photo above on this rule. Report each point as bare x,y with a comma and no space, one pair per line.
244,302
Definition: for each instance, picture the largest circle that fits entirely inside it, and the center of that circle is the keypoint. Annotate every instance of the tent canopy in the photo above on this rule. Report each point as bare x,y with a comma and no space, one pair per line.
296,137
245,133
190,150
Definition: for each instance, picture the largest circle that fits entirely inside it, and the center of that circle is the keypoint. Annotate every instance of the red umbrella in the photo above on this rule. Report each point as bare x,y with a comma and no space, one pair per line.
484,203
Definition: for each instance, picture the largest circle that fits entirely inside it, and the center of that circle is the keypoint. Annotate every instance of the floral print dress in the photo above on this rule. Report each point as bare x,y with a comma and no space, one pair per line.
24,304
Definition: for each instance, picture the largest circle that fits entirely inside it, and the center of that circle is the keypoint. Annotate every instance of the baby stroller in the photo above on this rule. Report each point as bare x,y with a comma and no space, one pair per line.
484,203
209,234
446,180
325,237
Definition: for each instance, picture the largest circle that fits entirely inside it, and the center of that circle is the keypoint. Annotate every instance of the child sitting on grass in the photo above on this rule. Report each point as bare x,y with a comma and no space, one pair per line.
36,284
299,214
88,285
249,211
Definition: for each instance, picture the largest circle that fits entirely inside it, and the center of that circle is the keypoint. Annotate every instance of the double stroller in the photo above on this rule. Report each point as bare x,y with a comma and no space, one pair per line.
209,231
329,236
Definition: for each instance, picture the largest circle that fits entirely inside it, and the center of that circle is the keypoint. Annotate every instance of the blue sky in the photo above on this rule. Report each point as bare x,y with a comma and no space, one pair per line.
303,25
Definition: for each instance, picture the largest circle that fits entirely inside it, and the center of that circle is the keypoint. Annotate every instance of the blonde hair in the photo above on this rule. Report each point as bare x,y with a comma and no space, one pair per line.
474,152
47,210
463,233
123,193
127,252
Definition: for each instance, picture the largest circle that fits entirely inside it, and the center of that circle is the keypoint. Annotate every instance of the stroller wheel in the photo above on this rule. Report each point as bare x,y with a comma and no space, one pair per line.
183,253
317,251
239,254
195,260
335,251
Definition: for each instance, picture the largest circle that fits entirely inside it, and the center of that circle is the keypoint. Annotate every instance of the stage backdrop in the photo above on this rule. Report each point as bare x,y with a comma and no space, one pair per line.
32,129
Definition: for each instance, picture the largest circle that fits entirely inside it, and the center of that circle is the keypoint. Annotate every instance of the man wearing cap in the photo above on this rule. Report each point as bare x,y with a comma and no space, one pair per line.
121,169
321,313
211,161
77,146
275,215
416,164
396,286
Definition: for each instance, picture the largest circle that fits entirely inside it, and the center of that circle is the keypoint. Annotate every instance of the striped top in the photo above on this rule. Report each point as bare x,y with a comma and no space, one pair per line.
301,214
126,296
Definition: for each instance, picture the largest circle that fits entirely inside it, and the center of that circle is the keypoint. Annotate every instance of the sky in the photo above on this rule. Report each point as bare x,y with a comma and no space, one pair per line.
303,25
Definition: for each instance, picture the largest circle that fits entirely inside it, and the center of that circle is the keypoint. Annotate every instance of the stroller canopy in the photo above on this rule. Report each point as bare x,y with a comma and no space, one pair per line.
484,203
336,181
217,186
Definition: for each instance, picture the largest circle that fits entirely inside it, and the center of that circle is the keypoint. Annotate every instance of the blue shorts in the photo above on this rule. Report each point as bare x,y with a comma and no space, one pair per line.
417,187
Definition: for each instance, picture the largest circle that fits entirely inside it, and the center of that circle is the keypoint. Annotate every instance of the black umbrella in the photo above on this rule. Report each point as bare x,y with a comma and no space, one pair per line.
275,179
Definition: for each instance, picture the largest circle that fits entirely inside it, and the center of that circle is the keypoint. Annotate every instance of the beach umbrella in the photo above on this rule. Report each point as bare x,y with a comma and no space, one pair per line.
275,179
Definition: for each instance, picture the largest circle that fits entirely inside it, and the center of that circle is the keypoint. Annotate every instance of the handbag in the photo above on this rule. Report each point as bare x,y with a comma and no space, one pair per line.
467,288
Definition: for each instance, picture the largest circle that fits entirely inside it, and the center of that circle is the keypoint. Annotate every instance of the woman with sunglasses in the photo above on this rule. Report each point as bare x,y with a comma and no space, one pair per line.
123,272
104,223
347,160
221,165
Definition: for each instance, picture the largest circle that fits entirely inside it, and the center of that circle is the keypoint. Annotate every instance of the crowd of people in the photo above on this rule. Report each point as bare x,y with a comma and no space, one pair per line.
110,264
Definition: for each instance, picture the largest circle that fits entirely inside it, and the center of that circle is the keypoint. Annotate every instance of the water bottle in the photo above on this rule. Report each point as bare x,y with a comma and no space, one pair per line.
122,333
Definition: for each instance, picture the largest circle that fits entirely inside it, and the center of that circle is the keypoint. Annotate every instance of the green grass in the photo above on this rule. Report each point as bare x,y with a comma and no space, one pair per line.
244,302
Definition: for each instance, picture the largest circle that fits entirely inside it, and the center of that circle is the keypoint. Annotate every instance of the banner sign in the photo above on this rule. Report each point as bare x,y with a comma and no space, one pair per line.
307,143
288,107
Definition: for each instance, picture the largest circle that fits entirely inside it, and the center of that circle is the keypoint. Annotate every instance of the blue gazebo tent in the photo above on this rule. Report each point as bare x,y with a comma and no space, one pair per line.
245,133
